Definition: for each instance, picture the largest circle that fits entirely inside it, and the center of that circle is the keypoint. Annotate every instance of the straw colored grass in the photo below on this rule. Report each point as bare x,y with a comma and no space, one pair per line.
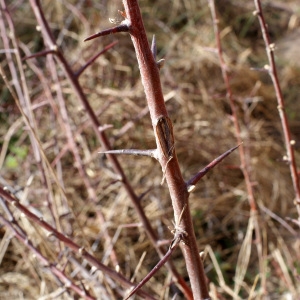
196,94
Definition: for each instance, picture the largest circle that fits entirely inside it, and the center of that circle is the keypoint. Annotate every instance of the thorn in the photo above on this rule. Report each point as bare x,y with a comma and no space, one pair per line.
123,27
160,63
151,152
41,53
90,61
192,182
153,47
81,251
144,194
272,47
172,247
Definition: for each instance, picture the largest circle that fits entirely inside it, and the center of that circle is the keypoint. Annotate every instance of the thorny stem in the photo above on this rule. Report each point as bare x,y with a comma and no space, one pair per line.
68,242
78,90
50,42
177,187
81,70
157,267
22,237
20,85
65,123
179,236
289,143
244,165
242,153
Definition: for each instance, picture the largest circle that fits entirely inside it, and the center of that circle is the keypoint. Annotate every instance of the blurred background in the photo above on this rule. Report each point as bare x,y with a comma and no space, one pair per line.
197,104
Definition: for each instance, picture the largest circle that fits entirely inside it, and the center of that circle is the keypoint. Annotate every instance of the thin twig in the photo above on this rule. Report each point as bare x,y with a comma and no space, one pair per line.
179,236
68,283
289,142
90,61
157,267
245,164
78,91
67,241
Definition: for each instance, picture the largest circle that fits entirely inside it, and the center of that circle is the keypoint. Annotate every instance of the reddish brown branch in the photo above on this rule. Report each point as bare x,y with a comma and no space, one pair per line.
242,153
245,164
39,54
21,94
289,142
166,152
67,241
155,269
68,283
90,61
50,43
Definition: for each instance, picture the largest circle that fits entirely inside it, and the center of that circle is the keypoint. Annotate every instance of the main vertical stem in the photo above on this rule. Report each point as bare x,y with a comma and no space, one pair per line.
177,186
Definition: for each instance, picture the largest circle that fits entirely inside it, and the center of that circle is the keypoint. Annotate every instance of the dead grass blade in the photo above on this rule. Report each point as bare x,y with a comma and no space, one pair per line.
244,256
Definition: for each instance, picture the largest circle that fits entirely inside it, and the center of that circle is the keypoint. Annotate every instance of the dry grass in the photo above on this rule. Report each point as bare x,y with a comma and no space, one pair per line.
193,85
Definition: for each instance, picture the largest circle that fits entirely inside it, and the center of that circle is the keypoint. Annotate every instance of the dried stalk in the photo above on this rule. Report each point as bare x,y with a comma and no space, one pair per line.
289,142
68,242
166,150
74,79
65,281
245,164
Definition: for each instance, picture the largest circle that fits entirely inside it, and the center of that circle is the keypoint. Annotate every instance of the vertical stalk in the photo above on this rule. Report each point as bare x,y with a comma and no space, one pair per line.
165,148
289,143
245,163
74,80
